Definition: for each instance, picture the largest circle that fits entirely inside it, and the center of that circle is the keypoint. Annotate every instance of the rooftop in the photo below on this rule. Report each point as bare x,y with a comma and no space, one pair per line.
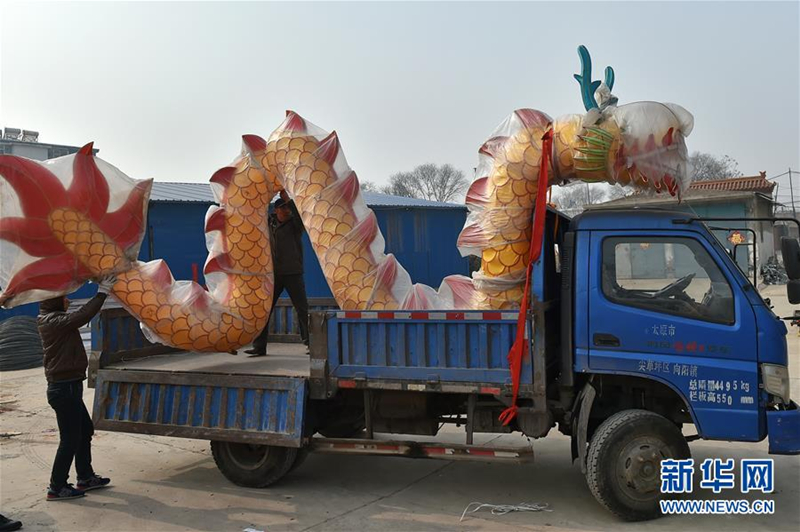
702,191
757,183
201,193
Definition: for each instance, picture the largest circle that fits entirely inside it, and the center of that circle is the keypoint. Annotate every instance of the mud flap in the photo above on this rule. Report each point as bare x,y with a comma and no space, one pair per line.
580,424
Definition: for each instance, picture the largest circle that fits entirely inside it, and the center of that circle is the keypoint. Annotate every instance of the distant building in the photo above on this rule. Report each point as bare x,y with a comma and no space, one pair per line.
739,197
25,143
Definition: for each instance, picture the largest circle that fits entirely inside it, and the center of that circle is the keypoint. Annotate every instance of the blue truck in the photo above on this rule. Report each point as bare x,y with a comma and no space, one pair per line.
640,325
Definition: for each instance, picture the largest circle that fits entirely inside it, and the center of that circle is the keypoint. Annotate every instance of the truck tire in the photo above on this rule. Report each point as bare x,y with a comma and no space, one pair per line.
302,454
623,466
253,466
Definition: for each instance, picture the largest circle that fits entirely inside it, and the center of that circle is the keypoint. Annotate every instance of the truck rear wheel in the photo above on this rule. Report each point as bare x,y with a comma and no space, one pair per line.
623,466
253,466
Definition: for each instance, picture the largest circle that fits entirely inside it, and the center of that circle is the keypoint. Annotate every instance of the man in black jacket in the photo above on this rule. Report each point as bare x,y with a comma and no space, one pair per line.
65,366
286,233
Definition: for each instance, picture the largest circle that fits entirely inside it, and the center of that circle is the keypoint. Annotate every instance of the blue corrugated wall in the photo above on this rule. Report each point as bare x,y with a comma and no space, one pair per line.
423,239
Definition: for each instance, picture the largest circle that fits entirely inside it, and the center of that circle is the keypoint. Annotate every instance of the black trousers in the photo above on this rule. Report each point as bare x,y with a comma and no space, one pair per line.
75,429
296,287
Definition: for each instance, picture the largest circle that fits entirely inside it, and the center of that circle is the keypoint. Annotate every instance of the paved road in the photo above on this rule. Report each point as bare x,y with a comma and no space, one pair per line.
172,484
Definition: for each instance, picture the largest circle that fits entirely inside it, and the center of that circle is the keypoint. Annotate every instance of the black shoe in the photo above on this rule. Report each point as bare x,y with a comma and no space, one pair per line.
65,493
256,352
7,524
92,483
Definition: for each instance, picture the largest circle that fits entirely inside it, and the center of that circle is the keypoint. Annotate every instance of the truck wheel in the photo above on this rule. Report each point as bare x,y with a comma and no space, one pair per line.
252,466
302,454
623,466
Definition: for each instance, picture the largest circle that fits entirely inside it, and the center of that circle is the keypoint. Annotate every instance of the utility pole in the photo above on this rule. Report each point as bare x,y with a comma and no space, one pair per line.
791,194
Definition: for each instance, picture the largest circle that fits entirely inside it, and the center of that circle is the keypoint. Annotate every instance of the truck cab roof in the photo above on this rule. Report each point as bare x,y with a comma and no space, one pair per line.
615,219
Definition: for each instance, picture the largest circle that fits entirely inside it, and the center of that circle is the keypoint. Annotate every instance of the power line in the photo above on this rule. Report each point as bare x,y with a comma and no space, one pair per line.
777,176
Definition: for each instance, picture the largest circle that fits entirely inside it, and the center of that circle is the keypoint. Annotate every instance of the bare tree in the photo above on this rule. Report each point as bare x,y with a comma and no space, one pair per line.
572,200
400,184
369,186
616,192
708,167
429,181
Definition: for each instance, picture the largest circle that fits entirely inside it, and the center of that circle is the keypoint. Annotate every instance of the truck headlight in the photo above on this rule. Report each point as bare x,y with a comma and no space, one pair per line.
776,380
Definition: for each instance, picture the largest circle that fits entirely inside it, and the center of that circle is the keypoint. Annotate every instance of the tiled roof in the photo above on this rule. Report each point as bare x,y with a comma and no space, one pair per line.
201,192
757,183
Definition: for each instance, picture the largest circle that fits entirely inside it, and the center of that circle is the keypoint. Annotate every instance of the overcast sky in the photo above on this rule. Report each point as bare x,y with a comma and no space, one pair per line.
166,90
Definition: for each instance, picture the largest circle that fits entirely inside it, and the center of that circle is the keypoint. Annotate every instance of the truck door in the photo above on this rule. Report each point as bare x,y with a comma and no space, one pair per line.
665,306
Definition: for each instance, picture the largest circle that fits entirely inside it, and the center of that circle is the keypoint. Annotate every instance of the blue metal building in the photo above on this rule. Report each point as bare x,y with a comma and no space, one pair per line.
422,235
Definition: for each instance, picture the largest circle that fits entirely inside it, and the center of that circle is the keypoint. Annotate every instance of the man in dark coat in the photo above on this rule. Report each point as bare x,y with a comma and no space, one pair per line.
65,364
286,233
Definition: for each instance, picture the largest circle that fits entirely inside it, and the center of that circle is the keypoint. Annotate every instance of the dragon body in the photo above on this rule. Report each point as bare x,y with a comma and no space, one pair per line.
58,228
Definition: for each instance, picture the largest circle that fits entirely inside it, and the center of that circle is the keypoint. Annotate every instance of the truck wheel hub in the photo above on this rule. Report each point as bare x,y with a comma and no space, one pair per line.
247,456
641,465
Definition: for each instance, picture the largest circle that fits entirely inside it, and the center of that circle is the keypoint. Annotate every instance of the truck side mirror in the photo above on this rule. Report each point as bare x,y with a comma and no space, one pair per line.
793,291
790,250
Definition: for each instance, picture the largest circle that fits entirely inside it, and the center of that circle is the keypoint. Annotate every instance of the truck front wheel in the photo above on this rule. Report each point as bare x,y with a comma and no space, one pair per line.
623,466
253,466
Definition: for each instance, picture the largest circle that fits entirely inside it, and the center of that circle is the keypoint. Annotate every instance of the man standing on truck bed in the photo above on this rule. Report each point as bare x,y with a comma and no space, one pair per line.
65,365
286,233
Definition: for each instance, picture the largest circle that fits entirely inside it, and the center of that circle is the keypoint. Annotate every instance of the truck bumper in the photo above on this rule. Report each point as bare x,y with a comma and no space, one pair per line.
783,427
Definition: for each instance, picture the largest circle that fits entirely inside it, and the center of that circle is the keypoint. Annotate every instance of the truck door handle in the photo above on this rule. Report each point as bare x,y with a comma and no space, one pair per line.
605,340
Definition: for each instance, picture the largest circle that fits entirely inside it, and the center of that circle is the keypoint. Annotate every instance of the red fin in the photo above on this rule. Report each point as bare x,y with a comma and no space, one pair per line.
667,140
87,149
293,122
55,274
216,222
157,272
492,146
476,195
88,192
254,143
219,263
38,190
126,225
416,299
32,235
462,289
386,272
532,118
471,236
350,187
329,148
223,176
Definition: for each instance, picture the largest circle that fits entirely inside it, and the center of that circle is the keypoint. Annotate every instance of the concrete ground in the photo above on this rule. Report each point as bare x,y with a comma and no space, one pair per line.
172,484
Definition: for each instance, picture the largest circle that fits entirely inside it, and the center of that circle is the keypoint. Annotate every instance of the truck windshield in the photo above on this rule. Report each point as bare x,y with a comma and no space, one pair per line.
673,275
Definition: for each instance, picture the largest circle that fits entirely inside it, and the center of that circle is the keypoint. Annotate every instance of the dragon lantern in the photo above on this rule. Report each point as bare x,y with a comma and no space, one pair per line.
77,217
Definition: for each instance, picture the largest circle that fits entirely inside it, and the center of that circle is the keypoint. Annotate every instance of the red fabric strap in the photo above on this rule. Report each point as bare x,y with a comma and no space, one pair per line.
519,350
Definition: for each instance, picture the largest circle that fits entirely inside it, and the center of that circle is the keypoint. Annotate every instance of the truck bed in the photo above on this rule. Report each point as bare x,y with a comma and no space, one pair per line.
284,360
215,396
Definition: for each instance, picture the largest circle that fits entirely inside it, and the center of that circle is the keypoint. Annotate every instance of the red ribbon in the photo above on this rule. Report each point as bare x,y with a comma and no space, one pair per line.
519,350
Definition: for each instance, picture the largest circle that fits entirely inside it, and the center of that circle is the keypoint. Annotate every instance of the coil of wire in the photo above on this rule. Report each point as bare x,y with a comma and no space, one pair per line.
20,344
